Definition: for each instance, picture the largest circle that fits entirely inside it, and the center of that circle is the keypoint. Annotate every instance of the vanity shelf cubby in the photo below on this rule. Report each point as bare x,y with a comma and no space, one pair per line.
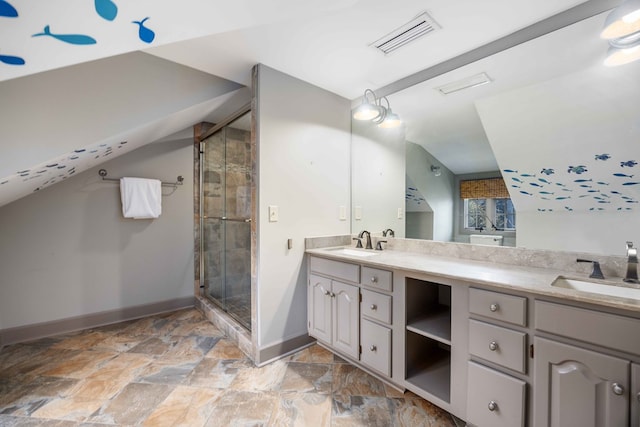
428,337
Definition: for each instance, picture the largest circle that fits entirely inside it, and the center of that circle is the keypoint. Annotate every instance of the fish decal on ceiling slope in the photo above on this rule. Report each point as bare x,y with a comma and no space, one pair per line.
145,34
628,163
548,171
603,156
77,39
7,10
11,60
106,9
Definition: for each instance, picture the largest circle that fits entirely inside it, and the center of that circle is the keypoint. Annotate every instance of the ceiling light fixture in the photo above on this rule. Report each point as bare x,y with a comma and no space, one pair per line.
372,109
622,29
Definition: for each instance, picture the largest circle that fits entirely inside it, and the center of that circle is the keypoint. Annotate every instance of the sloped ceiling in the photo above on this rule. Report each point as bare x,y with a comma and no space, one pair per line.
84,30
65,121
569,143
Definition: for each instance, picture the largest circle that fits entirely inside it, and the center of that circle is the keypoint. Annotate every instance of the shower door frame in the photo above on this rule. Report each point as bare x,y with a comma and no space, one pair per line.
253,220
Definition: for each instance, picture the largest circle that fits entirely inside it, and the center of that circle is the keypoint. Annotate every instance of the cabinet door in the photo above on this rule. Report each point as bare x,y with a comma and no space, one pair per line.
574,387
320,308
346,315
635,395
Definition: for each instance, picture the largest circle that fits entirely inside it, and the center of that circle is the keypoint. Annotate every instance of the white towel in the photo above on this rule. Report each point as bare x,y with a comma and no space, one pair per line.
141,198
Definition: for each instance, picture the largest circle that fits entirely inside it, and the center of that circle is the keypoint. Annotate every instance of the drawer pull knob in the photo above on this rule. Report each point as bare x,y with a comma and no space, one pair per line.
493,346
374,279
333,295
617,389
373,348
494,307
374,307
492,406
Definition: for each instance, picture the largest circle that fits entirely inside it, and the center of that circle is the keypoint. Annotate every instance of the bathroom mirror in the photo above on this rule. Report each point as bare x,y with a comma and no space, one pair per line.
560,128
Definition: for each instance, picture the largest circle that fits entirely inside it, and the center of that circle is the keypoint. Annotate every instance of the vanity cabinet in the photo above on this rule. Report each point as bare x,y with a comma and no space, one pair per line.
576,386
349,315
334,314
494,397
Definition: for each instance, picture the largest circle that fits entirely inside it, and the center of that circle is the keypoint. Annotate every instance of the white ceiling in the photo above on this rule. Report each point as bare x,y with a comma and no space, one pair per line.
331,49
324,43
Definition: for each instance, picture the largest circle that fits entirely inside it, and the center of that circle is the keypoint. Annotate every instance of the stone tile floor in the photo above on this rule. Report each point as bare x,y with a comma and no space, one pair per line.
178,369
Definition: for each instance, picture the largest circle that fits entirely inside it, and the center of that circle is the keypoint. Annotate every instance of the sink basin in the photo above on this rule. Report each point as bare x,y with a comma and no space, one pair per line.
353,252
617,290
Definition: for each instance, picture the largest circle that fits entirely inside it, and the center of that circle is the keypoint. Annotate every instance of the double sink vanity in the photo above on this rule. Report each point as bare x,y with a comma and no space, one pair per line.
494,344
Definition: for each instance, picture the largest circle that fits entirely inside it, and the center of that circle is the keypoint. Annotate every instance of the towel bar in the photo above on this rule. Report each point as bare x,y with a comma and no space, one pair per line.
179,180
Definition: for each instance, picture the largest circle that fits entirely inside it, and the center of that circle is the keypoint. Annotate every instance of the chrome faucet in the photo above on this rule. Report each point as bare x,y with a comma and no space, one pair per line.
361,235
632,264
389,232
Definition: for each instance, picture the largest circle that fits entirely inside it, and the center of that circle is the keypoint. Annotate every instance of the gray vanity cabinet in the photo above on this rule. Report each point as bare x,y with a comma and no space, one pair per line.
334,306
635,395
578,387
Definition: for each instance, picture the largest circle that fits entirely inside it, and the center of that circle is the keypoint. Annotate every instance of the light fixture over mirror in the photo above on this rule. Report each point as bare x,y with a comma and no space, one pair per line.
622,29
372,109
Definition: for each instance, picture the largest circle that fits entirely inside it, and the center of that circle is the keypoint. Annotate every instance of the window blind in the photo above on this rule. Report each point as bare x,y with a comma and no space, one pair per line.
490,188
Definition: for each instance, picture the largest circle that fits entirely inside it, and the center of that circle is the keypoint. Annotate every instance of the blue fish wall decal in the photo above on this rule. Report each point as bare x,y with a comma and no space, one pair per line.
145,34
7,10
11,60
79,39
106,9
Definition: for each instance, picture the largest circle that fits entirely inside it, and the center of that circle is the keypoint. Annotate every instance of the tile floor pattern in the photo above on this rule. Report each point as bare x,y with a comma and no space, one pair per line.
178,369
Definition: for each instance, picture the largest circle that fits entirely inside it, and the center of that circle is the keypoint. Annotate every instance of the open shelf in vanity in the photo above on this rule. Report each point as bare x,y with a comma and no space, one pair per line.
428,337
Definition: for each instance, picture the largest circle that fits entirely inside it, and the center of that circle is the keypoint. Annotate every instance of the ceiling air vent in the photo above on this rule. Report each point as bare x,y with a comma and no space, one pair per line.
420,26
466,83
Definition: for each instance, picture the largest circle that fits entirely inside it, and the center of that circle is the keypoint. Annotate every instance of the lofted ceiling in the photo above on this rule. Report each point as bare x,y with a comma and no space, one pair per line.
79,47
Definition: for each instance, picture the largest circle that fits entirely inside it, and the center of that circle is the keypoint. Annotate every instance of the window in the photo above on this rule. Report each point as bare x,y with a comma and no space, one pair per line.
487,205
489,214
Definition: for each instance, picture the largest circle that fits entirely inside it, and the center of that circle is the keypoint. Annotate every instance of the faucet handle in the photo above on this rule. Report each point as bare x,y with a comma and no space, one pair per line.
596,273
379,245
359,244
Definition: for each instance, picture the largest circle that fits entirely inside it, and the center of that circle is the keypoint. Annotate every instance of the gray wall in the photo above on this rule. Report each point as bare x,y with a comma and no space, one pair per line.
67,251
419,225
304,161
437,190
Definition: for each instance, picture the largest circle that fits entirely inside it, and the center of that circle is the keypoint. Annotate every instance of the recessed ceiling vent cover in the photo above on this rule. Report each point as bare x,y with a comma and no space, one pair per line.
420,26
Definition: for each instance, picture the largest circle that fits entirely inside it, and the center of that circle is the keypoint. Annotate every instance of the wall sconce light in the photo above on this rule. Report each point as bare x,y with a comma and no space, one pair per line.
436,170
622,29
373,110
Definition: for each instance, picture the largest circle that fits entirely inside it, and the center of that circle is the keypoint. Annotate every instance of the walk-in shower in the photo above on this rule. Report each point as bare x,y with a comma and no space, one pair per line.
226,208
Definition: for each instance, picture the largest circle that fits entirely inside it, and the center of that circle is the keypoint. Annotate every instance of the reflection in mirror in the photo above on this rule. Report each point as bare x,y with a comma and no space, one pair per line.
558,126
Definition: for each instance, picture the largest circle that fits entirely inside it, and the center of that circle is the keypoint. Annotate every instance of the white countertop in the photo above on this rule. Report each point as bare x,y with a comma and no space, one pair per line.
526,279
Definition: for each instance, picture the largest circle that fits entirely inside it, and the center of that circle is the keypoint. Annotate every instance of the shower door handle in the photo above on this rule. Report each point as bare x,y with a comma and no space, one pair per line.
224,218
237,219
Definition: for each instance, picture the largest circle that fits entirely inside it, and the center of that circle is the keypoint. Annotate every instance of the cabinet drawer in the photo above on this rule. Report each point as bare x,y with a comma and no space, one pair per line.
375,278
498,345
337,269
607,330
494,399
499,306
376,346
376,306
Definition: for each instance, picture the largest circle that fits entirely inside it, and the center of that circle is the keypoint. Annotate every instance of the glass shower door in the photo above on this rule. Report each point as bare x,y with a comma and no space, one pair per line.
227,206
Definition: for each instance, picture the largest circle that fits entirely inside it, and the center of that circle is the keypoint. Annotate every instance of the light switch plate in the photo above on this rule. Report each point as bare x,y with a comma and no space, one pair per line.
400,213
357,214
343,213
273,213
